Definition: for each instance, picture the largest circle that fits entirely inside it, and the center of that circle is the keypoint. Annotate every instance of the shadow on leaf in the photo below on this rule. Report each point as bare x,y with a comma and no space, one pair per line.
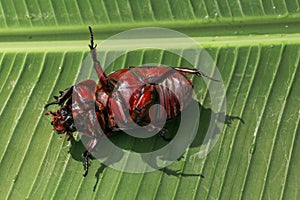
144,145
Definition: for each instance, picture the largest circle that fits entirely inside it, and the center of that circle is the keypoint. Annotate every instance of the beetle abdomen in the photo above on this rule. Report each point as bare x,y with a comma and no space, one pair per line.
138,89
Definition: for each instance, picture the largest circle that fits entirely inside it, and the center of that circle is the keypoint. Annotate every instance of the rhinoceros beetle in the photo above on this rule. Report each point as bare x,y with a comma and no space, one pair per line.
121,99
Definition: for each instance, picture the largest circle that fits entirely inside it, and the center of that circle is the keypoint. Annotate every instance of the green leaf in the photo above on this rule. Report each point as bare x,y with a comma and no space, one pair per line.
255,45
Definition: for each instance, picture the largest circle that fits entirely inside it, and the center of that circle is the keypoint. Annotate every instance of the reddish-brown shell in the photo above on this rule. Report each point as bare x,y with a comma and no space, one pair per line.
138,88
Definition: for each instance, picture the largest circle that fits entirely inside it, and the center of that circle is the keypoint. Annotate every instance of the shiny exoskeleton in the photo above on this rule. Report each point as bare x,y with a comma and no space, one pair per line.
121,101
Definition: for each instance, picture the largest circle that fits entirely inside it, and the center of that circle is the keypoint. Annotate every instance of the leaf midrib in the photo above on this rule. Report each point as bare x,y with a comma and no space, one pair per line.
226,41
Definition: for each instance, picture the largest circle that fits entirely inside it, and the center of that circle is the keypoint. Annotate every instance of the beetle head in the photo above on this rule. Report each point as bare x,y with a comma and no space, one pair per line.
62,120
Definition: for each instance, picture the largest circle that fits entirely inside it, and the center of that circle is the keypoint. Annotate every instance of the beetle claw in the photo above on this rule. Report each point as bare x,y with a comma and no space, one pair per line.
92,46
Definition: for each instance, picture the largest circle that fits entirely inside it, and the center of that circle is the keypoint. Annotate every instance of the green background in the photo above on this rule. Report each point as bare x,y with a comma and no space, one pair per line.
255,45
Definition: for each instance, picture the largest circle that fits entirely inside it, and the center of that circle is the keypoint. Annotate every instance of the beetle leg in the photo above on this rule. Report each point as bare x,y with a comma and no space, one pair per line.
92,45
194,72
60,100
86,156
106,84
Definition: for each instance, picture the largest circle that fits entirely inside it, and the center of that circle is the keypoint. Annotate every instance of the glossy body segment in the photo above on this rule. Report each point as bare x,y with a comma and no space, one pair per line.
137,89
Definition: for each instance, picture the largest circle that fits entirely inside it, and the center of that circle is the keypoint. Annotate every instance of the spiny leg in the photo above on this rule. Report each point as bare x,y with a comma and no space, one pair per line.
86,156
194,72
60,100
103,79
92,46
